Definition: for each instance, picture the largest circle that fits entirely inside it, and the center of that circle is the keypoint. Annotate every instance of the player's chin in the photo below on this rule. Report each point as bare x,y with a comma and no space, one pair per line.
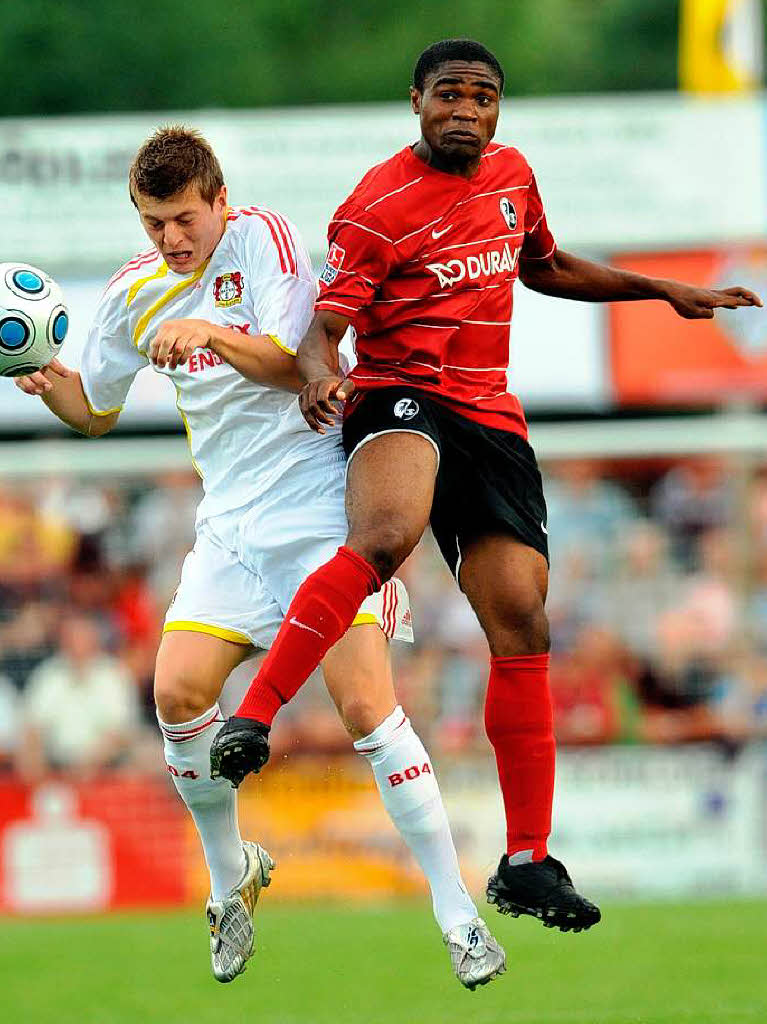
464,147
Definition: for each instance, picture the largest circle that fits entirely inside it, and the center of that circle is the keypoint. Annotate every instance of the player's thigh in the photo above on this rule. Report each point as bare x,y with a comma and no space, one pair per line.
505,581
358,676
190,672
393,463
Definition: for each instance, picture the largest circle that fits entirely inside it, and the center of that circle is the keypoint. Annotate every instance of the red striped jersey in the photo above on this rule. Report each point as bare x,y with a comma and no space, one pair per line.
423,264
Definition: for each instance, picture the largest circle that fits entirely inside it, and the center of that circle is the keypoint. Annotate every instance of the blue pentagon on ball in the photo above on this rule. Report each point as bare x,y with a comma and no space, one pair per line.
60,327
28,281
13,333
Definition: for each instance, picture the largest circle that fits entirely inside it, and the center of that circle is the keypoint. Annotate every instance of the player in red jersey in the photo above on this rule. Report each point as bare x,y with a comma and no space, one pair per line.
423,256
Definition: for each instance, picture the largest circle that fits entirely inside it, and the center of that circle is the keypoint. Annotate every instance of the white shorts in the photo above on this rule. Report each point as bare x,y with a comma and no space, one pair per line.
246,565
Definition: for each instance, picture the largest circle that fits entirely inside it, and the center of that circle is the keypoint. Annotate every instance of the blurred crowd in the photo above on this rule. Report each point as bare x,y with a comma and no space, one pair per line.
657,602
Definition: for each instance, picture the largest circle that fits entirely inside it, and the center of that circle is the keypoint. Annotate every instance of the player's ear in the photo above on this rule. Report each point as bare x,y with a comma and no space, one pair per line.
415,100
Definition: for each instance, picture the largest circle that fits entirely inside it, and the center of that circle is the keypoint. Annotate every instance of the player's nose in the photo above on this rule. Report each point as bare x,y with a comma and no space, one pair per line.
465,111
173,238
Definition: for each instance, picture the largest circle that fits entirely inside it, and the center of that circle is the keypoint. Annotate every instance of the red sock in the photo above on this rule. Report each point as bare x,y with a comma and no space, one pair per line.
519,724
321,612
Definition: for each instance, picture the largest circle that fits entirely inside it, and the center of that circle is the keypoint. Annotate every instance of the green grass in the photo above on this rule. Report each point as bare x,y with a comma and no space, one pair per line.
662,964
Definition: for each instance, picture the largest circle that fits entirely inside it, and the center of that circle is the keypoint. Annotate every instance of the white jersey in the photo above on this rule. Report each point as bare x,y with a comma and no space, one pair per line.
259,280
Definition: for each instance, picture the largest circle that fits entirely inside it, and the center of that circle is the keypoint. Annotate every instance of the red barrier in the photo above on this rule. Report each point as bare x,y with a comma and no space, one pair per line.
98,845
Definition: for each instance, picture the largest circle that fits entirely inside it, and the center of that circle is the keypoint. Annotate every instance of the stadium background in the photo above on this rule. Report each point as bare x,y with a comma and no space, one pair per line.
647,127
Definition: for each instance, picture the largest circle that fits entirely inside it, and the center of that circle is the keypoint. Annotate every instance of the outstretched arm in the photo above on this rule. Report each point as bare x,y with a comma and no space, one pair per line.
319,366
570,277
62,391
258,357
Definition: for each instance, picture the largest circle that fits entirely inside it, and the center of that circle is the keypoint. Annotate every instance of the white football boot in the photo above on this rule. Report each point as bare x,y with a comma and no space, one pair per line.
476,956
231,919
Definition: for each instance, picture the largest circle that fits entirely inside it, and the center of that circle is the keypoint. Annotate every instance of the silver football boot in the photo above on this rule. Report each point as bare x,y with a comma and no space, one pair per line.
476,956
231,919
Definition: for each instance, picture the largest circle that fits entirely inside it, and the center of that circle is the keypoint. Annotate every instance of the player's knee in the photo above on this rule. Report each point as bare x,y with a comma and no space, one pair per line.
385,548
180,699
360,715
519,627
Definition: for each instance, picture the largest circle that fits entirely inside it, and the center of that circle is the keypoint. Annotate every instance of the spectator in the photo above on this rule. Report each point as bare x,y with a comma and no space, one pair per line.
80,709
691,498
646,585
9,723
590,690
675,687
585,512
27,639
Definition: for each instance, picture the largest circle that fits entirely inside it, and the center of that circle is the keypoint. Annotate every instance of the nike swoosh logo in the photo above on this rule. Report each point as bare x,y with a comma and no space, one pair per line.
544,529
302,625
439,234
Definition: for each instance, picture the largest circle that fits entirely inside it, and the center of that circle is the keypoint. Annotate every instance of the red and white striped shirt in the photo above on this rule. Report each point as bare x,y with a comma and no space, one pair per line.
423,264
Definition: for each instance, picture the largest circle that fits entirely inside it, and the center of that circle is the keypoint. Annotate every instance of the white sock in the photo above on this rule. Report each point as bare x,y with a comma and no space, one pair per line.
212,804
409,790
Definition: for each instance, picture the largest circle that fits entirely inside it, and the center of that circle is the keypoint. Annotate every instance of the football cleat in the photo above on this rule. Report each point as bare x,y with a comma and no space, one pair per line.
542,889
475,955
231,919
241,746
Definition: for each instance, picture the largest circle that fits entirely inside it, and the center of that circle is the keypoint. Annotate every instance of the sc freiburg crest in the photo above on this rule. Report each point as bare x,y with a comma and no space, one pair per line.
508,212
227,289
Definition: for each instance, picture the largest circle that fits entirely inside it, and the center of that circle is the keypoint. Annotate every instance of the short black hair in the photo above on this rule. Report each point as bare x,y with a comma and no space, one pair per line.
453,49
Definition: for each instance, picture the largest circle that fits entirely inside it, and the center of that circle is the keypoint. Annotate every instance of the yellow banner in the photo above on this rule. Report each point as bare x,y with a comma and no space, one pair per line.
720,45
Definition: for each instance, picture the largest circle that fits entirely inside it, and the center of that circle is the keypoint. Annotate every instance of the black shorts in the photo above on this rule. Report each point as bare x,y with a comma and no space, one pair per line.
488,480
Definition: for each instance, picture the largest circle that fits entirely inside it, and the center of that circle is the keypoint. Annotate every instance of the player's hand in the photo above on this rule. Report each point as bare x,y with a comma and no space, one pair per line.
39,383
240,747
176,340
700,303
321,401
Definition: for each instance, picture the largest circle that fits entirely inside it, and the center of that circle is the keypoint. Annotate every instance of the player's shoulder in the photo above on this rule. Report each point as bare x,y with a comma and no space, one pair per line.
122,285
374,201
501,159
262,232
142,265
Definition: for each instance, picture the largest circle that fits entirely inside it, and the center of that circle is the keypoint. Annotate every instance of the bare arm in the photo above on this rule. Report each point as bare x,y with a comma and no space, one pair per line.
62,391
319,366
257,357
570,277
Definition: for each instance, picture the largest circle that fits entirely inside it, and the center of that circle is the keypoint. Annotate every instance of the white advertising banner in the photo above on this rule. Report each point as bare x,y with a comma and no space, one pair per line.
617,172
635,821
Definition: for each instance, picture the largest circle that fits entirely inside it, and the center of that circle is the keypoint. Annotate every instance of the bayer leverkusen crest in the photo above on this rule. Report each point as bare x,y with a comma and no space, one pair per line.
227,289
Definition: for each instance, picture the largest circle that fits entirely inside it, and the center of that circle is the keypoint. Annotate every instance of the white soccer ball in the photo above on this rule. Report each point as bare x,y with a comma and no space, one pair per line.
33,319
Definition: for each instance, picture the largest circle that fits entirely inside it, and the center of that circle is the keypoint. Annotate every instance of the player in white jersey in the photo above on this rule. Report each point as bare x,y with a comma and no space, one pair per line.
218,305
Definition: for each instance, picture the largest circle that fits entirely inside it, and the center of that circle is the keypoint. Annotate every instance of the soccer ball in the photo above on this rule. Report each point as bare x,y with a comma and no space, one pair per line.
33,319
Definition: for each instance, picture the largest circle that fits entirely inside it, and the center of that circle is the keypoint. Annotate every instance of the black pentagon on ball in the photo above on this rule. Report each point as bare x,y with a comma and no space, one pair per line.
20,370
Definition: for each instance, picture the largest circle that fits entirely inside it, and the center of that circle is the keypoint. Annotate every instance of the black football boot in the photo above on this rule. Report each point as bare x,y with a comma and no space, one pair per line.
542,889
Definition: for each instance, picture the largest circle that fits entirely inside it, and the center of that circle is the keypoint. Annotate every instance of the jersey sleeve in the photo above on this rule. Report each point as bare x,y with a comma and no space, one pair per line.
359,259
110,360
282,280
539,242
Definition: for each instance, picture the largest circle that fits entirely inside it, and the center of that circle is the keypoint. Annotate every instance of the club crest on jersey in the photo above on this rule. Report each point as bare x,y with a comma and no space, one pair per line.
471,268
227,289
509,212
333,263
406,409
